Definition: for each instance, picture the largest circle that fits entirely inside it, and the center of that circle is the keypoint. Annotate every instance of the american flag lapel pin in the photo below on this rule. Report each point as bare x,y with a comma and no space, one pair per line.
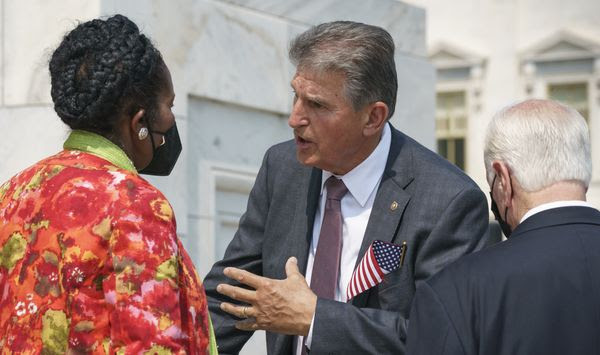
380,259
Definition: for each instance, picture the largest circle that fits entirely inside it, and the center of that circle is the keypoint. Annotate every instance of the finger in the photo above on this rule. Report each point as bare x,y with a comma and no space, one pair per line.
291,267
243,276
235,310
247,324
237,293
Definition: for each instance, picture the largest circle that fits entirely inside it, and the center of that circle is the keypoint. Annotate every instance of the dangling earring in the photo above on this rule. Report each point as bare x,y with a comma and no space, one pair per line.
143,133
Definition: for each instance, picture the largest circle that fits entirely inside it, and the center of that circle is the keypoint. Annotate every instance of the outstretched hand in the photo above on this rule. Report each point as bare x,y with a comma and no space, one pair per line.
283,306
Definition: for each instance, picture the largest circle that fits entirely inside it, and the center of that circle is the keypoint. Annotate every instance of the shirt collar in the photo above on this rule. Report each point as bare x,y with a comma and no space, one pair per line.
555,204
99,146
362,180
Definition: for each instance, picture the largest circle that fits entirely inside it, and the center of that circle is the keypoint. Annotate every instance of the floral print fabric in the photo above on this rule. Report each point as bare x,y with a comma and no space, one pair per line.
90,263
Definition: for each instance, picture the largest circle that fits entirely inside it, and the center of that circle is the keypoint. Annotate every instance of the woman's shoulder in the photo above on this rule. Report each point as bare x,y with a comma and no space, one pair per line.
78,162
101,171
74,172
76,183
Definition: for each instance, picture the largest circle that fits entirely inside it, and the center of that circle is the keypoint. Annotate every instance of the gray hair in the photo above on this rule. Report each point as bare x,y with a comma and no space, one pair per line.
363,53
542,142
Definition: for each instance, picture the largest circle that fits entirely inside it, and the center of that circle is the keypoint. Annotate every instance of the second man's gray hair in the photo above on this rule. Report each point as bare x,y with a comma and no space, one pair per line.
363,53
542,141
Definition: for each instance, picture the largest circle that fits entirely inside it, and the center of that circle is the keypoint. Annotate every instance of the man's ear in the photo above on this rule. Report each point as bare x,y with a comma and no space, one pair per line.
504,183
377,117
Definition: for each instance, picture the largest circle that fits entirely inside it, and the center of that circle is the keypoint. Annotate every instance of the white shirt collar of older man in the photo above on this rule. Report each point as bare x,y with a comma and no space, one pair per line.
362,180
556,204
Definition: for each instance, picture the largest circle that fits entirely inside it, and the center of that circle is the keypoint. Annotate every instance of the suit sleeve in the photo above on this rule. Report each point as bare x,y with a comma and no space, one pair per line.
459,231
431,330
244,252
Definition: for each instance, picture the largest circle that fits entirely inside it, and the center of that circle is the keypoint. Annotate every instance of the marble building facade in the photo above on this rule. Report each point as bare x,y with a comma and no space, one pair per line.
489,54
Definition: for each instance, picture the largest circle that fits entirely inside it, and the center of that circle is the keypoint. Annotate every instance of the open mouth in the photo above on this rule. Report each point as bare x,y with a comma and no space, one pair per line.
301,140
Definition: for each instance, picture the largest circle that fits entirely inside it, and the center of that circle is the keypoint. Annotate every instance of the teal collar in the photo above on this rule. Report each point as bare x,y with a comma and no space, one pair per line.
99,146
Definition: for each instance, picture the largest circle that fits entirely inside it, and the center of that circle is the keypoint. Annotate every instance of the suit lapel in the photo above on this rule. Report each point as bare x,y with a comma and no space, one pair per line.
390,201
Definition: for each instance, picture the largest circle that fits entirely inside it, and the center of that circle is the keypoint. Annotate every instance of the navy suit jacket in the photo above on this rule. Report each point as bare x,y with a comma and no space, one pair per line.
536,293
438,211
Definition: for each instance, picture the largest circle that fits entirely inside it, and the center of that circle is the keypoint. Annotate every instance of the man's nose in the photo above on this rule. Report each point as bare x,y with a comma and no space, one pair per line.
298,115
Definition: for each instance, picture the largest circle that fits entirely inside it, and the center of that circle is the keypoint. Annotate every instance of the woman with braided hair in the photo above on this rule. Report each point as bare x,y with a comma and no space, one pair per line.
89,257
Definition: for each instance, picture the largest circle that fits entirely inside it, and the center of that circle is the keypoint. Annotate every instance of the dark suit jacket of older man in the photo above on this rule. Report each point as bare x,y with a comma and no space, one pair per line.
537,293
437,210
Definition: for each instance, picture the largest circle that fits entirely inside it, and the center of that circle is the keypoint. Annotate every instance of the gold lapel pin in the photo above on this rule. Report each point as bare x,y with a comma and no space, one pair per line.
394,206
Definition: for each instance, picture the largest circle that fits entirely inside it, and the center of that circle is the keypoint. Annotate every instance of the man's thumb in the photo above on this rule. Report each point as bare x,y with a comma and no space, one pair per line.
291,266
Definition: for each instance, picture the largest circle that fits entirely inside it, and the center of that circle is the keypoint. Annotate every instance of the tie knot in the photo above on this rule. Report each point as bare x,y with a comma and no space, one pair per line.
336,189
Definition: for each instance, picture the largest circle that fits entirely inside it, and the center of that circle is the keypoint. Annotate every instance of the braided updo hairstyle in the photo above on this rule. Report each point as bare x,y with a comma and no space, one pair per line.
103,69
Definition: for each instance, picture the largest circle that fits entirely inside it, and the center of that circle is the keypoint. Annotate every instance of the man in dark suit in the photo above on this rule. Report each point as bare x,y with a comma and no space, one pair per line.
539,291
320,200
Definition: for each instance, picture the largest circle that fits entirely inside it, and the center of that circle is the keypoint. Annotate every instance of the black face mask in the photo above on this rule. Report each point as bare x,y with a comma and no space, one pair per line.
165,155
503,224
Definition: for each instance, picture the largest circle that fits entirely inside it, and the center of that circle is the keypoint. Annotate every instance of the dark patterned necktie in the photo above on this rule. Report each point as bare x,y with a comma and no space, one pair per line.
326,267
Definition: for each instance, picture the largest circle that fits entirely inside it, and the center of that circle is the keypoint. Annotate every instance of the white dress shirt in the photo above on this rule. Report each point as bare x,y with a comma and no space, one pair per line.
362,183
555,204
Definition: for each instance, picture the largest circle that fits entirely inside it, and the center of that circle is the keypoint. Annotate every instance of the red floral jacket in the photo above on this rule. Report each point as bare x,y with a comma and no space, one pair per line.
90,262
